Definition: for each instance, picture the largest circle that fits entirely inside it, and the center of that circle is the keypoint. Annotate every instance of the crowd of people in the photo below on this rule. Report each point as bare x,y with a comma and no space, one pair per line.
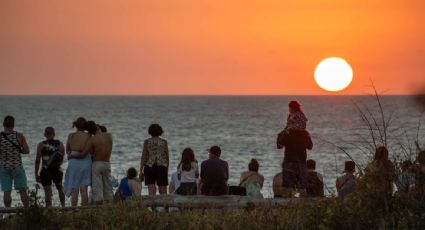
89,149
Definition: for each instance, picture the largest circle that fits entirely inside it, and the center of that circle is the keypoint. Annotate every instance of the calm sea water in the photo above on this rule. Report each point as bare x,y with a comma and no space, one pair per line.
244,126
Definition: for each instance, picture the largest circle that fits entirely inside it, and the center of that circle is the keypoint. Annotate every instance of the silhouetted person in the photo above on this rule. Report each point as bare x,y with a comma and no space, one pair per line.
51,153
347,183
12,145
314,180
296,144
214,174
381,172
296,119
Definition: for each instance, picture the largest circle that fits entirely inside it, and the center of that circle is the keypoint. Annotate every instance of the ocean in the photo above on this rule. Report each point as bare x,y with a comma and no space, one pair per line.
244,126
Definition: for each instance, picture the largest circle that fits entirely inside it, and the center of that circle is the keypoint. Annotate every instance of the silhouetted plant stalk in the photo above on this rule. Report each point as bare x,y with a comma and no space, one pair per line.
377,125
379,130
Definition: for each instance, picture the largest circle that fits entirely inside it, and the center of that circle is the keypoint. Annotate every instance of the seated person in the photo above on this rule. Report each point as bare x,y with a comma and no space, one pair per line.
214,174
347,183
380,172
252,180
278,190
188,173
130,185
314,180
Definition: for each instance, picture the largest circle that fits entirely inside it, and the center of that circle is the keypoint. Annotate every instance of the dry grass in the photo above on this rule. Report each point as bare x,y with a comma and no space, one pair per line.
359,211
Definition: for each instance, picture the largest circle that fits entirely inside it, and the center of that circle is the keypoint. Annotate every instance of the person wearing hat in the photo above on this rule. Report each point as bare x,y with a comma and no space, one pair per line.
214,174
12,145
346,183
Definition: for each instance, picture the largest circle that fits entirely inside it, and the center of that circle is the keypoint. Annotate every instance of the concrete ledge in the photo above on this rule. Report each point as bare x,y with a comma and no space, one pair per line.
197,202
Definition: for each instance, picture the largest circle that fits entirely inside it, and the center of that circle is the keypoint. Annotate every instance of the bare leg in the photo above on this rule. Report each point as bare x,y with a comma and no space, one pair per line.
48,195
84,196
151,189
24,198
61,194
74,197
7,199
162,190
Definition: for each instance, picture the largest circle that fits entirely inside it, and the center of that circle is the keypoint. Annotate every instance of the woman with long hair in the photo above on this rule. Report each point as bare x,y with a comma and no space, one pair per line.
187,173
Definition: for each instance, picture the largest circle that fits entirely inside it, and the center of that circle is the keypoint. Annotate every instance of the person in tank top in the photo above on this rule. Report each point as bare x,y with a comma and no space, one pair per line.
50,153
12,145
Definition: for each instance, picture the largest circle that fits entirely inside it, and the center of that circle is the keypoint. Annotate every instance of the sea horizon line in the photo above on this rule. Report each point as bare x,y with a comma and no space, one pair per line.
200,95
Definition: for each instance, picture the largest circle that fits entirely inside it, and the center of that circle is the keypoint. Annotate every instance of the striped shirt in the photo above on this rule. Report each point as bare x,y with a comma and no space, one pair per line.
10,156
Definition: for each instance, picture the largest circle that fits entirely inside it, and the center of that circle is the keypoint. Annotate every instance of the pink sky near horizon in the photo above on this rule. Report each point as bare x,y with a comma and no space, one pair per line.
186,47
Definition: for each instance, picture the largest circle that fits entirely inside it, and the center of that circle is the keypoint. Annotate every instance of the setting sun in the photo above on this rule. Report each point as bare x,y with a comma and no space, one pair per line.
333,74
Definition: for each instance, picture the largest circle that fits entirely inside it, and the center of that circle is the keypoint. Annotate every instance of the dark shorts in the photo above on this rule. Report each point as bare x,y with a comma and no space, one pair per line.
47,176
156,175
214,189
187,189
294,175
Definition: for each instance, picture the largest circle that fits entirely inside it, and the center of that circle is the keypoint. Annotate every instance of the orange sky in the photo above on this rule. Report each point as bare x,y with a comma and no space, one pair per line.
207,47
